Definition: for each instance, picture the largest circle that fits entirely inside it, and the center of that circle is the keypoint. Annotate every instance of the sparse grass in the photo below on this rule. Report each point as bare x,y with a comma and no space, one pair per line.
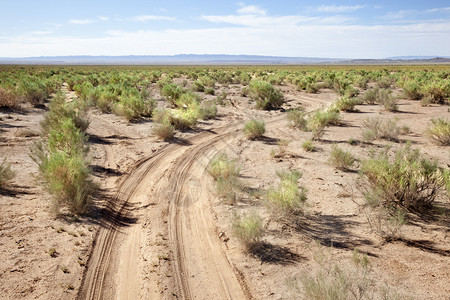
254,129
287,199
336,282
247,229
439,131
341,159
308,145
281,149
320,119
6,173
378,129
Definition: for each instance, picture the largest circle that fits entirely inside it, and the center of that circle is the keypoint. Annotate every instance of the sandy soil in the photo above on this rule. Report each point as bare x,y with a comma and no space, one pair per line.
158,231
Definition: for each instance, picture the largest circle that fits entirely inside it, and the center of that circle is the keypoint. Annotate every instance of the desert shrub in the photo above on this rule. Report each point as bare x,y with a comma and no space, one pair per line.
208,110
435,92
59,111
341,159
378,129
371,96
320,119
266,95
439,131
408,181
297,119
390,103
6,173
384,82
308,145
8,99
346,103
222,166
133,107
33,91
333,281
312,88
106,101
198,86
411,90
68,178
247,229
209,91
164,131
287,199
254,129
225,172
172,92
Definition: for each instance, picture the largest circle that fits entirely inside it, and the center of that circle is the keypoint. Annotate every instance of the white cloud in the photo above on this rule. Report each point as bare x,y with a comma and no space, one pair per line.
258,21
101,18
433,10
314,40
339,8
81,22
398,15
250,10
146,18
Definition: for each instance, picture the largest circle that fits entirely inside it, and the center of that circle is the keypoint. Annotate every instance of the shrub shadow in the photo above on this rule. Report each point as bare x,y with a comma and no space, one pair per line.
273,254
331,231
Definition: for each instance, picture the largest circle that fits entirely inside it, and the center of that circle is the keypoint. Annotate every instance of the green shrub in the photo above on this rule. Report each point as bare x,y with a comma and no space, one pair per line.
133,107
411,90
341,159
297,119
247,229
346,103
210,91
6,173
320,119
67,177
198,86
439,131
287,199
266,96
371,96
254,129
172,92
407,181
33,91
435,92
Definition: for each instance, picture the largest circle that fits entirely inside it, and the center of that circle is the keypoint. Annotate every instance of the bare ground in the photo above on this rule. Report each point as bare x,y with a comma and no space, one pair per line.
158,231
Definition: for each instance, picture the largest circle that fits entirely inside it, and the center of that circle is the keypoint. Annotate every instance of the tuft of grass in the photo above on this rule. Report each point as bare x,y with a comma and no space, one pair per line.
222,166
254,129
341,159
439,131
6,173
286,199
308,145
321,119
52,252
164,131
247,229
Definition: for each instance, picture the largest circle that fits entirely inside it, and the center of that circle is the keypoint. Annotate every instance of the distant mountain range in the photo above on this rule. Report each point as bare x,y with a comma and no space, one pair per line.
219,59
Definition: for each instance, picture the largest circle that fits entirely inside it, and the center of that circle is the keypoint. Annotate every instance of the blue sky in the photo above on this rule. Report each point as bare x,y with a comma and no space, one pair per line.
345,29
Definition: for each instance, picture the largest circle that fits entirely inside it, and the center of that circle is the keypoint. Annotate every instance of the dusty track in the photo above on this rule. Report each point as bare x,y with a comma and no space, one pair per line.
169,182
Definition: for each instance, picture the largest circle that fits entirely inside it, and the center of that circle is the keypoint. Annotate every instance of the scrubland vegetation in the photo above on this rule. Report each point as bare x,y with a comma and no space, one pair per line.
390,183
